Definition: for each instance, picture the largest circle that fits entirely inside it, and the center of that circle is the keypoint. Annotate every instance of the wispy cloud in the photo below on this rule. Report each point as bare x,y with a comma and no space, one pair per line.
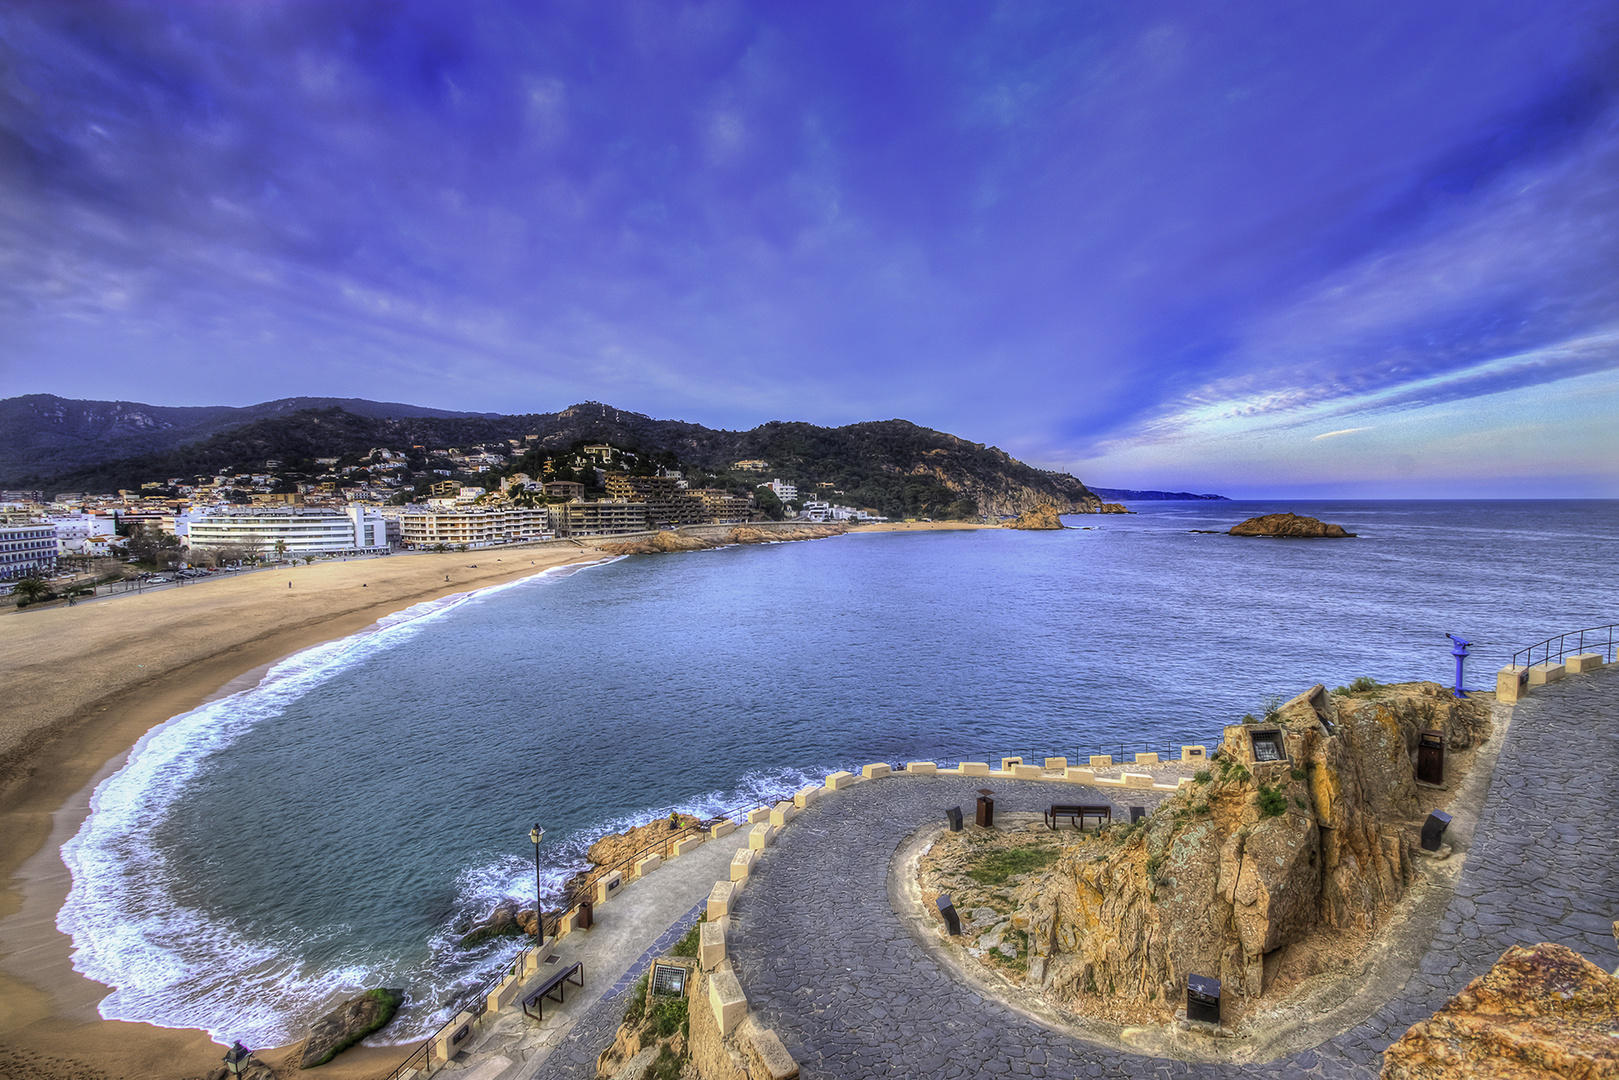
1341,431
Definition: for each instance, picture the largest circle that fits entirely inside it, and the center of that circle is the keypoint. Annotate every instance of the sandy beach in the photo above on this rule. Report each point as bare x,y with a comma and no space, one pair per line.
83,684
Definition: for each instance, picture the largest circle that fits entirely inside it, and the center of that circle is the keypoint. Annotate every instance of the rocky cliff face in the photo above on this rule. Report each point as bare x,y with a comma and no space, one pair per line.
1539,1013
1259,858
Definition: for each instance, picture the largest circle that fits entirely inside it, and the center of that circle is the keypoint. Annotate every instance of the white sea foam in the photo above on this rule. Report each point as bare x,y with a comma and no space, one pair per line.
176,967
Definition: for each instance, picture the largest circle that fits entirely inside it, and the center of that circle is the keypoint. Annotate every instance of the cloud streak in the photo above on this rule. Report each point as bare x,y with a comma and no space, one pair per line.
1077,234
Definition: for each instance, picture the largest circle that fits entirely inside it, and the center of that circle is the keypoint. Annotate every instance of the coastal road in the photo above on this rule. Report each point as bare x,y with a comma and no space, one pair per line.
827,962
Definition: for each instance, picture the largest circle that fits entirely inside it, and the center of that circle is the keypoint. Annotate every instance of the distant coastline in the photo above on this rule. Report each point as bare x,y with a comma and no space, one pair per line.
1121,494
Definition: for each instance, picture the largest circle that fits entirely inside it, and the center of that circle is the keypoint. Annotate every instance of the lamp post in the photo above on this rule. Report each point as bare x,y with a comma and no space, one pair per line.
236,1059
537,834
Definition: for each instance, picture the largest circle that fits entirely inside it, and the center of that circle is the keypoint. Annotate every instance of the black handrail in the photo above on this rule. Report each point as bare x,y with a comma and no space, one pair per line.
1584,640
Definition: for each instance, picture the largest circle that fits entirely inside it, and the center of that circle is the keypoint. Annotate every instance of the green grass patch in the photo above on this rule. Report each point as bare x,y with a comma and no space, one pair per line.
687,946
997,866
1272,801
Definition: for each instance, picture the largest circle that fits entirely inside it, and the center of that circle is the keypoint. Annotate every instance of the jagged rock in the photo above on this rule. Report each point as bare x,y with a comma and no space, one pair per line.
252,1069
1114,508
1288,525
1044,516
501,921
1540,1012
1217,877
348,1024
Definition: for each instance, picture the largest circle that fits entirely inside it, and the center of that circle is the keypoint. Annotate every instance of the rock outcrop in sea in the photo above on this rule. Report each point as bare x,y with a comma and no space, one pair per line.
1540,1013
1288,525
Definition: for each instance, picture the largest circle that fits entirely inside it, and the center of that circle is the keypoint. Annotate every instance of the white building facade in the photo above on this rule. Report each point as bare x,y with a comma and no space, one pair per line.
27,548
292,530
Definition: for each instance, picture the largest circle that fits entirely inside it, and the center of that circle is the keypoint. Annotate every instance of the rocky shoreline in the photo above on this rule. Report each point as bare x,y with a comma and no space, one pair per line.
671,541
1289,526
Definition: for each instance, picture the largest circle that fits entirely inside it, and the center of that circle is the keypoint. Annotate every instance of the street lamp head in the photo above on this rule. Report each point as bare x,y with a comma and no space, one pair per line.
536,834
236,1059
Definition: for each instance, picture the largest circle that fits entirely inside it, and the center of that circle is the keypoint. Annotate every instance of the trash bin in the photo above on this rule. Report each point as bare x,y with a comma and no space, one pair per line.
1203,999
1137,813
953,815
1431,757
587,914
986,812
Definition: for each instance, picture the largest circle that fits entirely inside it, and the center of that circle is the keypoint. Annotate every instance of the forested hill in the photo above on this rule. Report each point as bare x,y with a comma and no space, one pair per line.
894,466
42,435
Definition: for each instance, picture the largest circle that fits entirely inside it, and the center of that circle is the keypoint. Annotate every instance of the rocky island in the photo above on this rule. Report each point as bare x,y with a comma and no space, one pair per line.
1292,526
1044,516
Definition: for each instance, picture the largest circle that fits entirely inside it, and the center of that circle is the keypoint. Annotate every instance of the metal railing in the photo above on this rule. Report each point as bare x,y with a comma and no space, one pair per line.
1591,639
479,1004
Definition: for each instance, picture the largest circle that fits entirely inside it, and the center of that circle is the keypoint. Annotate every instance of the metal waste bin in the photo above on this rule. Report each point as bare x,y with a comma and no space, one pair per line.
986,812
1431,757
587,914
953,815
1203,999
1137,813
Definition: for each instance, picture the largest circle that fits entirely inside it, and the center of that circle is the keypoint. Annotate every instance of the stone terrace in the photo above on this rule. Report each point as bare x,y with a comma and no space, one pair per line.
827,962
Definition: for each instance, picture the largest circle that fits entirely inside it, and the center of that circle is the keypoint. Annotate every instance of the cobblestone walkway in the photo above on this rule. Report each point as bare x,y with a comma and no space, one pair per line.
826,961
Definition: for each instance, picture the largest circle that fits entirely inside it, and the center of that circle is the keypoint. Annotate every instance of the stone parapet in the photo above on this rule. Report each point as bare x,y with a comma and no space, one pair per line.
1147,759
720,898
711,943
761,836
839,780
683,846
725,997
922,768
607,886
742,863
975,768
807,795
645,866
1027,772
876,769
1101,761
1194,753
1580,663
1056,764
1509,682
722,829
1544,674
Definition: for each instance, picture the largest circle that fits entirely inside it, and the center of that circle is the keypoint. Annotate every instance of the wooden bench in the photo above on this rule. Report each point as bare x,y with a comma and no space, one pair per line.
557,984
1077,813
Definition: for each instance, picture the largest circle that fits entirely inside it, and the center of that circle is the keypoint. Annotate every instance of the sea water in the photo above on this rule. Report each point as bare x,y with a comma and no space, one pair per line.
339,825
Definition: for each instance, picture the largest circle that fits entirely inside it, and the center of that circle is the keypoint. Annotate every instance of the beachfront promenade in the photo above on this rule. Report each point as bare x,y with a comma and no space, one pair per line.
825,957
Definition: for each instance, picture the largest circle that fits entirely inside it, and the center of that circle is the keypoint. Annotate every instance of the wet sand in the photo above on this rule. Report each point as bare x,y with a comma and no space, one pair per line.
82,685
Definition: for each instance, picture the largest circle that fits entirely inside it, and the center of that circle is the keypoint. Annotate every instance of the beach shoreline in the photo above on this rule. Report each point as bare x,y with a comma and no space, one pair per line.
72,719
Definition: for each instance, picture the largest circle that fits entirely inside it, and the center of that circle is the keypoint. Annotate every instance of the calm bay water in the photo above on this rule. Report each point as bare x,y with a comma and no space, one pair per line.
332,828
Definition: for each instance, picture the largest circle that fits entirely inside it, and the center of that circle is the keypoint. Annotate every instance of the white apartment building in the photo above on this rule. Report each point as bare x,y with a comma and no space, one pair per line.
27,548
784,491
475,526
302,530
77,534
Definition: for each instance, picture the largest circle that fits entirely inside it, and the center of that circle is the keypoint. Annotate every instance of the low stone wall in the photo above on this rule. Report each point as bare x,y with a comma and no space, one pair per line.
1513,682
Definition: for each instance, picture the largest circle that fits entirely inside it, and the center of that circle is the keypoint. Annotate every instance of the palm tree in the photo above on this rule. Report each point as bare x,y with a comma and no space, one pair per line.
31,590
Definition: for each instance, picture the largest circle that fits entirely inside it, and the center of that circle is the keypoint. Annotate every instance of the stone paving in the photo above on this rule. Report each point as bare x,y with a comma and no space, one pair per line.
828,963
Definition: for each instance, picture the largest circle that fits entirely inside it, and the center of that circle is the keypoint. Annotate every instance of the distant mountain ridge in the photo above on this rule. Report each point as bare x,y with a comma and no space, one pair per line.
1121,494
42,435
894,466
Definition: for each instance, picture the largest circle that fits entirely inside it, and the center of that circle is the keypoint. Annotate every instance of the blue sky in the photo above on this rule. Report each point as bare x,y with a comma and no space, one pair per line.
1306,249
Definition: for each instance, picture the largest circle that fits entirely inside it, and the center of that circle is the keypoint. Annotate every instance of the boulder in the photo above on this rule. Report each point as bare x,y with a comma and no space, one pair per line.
1541,1012
348,1024
501,922
1288,525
